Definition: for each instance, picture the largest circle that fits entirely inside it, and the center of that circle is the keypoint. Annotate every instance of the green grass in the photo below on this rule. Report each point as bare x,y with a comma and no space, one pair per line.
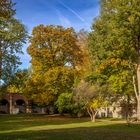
42,127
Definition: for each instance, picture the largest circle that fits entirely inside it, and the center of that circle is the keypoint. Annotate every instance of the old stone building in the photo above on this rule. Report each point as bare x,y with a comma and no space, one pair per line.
14,104
17,103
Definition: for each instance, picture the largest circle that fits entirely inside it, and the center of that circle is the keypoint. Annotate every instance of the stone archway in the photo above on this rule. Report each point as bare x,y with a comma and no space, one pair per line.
4,106
20,105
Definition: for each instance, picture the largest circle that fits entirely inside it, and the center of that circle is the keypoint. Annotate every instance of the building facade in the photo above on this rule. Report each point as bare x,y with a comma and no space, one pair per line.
14,104
17,103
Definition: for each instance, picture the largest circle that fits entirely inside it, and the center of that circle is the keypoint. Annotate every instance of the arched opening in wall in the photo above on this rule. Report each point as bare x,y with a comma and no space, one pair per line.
21,106
4,106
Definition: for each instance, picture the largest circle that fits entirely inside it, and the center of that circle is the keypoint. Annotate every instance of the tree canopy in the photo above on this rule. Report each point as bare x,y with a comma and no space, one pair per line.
12,37
114,44
55,56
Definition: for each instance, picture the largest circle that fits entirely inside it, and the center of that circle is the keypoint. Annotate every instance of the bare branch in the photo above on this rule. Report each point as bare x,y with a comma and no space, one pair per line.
135,88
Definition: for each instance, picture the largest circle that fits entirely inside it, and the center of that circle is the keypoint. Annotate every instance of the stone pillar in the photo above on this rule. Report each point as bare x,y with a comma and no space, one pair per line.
11,104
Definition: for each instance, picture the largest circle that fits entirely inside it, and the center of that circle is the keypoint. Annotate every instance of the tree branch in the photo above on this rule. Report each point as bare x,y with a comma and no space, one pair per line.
89,113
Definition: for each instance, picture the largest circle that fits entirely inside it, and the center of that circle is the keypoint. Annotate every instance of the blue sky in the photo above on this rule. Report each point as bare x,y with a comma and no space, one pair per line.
78,14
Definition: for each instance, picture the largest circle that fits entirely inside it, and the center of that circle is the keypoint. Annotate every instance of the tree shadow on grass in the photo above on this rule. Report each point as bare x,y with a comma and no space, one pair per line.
103,132
18,122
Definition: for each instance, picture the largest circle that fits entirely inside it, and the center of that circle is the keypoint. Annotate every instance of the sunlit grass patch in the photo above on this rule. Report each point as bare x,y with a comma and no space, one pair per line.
42,127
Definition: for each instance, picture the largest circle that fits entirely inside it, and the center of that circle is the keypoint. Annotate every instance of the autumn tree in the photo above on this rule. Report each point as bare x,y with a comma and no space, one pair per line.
17,82
6,8
16,85
82,41
66,102
90,98
115,45
55,55
12,37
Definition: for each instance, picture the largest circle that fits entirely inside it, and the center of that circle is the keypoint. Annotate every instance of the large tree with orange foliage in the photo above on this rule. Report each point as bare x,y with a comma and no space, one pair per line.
55,56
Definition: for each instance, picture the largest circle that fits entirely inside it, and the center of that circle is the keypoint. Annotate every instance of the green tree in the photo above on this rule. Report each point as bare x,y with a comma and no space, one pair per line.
115,45
12,37
64,103
55,55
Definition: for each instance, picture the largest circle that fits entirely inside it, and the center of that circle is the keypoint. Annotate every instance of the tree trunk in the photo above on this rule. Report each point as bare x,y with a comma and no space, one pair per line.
138,109
0,60
128,109
42,110
93,118
92,114
138,93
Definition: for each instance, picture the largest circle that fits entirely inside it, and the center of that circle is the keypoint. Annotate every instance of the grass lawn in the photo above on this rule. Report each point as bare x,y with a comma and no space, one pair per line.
41,127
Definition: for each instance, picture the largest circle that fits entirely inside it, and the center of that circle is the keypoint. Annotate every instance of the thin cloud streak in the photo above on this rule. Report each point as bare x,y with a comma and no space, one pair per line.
64,21
72,11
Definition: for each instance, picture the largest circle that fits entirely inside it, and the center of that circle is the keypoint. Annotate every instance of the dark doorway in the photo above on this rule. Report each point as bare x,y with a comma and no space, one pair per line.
21,105
4,106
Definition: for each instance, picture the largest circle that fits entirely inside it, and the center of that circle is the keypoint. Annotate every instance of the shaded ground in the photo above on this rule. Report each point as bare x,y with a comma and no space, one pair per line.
41,127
